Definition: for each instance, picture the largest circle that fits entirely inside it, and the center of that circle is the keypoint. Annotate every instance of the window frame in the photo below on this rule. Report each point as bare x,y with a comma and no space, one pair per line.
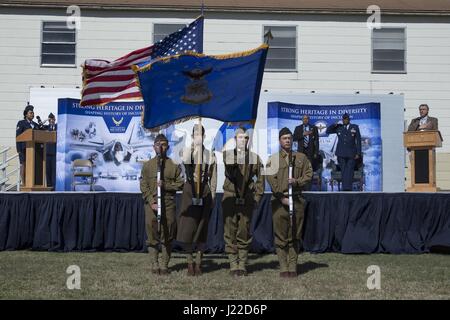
56,65
296,47
405,62
167,23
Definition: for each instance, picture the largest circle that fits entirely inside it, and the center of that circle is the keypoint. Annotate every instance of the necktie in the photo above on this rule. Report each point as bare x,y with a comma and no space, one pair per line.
305,138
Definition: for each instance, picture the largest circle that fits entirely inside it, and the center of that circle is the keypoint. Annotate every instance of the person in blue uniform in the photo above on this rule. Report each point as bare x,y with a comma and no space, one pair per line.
22,126
348,149
51,154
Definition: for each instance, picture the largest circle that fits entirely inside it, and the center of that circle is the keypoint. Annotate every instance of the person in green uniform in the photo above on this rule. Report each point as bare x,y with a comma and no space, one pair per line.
287,226
199,192
171,180
242,190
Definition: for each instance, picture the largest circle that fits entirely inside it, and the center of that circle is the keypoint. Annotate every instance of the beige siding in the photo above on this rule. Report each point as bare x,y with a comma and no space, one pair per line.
333,57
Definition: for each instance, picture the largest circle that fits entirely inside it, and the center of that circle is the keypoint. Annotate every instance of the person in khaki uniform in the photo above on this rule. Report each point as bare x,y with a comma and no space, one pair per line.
288,236
171,181
198,199
242,191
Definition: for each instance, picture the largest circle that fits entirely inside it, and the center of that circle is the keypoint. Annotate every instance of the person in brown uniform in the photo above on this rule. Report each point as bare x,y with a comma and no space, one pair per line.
287,230
198,198
242,191
171,180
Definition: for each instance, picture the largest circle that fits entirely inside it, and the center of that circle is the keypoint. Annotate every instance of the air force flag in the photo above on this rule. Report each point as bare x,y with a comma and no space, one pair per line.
224,87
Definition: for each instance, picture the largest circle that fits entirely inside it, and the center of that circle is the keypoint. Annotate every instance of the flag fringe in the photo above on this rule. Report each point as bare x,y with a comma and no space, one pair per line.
147,67
168,124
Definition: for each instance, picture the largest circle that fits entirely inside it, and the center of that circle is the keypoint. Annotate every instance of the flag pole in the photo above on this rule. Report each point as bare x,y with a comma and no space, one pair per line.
199,160
158,179
268,36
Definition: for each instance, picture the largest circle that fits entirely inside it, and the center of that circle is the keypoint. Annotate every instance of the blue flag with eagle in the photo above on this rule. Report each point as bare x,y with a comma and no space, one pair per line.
223,87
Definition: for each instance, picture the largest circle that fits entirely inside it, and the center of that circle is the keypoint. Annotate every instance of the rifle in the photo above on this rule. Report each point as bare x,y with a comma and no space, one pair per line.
240,192
158,178
291,202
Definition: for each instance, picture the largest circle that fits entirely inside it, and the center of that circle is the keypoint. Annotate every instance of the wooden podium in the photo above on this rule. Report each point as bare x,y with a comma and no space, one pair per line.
35,178
423,159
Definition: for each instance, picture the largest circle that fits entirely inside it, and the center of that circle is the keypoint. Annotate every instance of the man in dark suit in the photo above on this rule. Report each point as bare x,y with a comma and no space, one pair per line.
22,126
307,137
424,122
51,154
348,149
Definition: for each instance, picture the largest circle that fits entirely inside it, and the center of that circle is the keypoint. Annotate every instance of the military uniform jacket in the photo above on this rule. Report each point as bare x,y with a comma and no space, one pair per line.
51,147
234,174
208,168
349,140
301,172
170,175
22,126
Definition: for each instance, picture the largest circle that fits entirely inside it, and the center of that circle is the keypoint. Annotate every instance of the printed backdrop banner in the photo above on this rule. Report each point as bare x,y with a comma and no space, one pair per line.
366,116
112,137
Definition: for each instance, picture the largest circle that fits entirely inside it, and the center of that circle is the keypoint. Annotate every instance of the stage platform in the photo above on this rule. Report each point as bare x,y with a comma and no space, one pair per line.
345,222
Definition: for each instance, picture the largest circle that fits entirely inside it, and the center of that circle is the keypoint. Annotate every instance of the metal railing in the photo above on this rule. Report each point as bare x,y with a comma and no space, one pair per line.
5,175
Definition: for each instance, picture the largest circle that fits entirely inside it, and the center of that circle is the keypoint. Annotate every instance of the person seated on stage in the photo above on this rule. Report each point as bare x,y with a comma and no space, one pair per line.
348,149
307,137
424,122
171,181
51,154
22,126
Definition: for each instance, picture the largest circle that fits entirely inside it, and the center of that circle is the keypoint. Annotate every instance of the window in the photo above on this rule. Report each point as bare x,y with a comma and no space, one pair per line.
58,44
282,55
389,50
160,31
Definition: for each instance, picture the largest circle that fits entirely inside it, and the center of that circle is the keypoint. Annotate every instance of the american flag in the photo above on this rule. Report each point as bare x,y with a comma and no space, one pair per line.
105,81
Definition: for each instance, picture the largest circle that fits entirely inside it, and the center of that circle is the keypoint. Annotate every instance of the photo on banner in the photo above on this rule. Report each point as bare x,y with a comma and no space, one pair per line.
366,116
112,138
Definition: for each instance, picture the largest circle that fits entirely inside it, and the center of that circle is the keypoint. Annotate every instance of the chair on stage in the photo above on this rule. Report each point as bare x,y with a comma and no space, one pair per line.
83,169
317,171
358,175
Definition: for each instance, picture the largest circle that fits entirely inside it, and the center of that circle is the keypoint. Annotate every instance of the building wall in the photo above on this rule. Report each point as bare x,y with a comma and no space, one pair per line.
334,56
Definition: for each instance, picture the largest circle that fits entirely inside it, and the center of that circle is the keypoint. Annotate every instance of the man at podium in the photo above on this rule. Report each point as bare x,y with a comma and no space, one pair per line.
23,125
424,122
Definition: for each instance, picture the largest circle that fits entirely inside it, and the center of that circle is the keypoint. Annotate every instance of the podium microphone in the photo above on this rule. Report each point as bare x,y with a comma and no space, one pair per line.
39,122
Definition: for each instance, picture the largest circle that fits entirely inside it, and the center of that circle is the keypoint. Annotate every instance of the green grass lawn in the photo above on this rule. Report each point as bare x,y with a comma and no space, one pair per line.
42,275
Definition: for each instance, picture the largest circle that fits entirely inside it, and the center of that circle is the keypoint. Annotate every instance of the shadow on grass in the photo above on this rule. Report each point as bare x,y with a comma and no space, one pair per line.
208,265
440,249
309,266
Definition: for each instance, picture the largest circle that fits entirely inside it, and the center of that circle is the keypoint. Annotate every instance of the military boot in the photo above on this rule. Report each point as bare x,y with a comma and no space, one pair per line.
153,251
292,262
166,252
282,254
242,264
198,263
234,266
